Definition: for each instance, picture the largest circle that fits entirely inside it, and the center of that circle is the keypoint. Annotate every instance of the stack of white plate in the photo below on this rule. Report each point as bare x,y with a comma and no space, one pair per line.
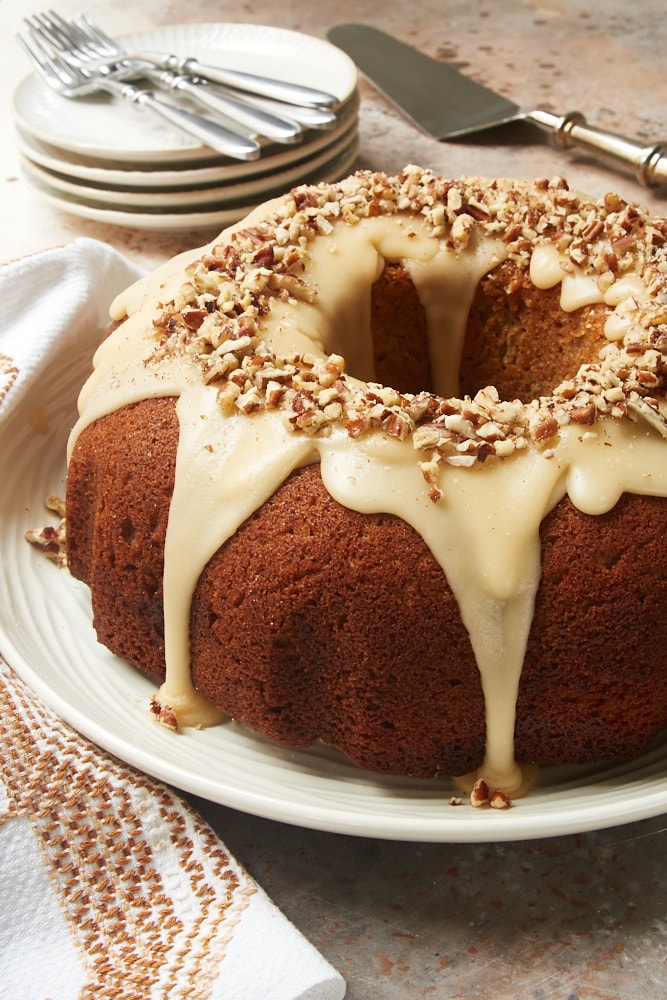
103,159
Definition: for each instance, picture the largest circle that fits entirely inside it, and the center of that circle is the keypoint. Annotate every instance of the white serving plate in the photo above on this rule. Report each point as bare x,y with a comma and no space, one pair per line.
47,637
112,129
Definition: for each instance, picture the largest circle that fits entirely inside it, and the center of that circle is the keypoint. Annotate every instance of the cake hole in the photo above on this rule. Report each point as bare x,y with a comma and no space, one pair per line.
398,330
516,337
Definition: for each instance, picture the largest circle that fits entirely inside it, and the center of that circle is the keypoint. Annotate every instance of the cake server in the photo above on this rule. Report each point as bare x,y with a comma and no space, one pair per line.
449,105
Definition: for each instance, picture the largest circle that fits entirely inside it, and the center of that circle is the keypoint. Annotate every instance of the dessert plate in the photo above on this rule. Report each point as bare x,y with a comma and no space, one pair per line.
165,200
47,637
113,130
209,169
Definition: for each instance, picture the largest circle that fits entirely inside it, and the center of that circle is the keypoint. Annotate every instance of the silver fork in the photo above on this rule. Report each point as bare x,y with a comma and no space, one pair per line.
86,37
86,47
72,82
251,83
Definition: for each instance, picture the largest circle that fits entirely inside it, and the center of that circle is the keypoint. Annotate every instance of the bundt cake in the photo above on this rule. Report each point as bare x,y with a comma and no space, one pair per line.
384,465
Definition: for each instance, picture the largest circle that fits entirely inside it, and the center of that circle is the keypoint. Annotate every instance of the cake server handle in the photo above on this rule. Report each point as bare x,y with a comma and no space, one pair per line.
649,163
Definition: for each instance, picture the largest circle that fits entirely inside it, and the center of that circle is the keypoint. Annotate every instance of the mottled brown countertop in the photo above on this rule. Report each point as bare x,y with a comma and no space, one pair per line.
578,917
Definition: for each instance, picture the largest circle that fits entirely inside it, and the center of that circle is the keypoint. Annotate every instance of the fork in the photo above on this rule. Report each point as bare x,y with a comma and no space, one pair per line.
278,90
87,48
73,82
86,37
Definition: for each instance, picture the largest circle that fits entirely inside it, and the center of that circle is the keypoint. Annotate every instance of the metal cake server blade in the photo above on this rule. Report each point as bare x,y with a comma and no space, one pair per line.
432,94
448,105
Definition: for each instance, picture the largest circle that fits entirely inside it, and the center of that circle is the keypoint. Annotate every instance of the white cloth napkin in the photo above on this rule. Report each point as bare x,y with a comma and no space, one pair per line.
111,886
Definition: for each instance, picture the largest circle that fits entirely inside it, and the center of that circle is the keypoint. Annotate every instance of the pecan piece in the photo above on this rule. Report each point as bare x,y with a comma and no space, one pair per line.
479,795
584,414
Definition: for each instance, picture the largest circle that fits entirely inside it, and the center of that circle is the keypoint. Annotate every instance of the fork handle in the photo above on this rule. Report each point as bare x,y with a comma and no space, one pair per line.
280,129
278,90
309,117
222,139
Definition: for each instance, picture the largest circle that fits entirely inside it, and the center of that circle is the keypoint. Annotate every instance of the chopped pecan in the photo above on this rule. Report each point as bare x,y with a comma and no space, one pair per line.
583,414
479,795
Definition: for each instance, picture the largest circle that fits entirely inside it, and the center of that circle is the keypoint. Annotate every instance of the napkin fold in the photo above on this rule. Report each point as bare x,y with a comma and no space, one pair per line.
111,886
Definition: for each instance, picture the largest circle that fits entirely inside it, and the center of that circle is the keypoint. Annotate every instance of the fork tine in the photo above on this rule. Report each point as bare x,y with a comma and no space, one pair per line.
79,33
38,59
73,40
41,24
53,69
94,33
50,26
81,36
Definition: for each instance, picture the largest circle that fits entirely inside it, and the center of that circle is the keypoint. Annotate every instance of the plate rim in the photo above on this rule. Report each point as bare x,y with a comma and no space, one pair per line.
341,163
135,200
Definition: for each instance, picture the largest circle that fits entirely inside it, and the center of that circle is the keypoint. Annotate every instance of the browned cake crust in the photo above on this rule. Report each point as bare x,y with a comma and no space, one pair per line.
316,622
118,498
